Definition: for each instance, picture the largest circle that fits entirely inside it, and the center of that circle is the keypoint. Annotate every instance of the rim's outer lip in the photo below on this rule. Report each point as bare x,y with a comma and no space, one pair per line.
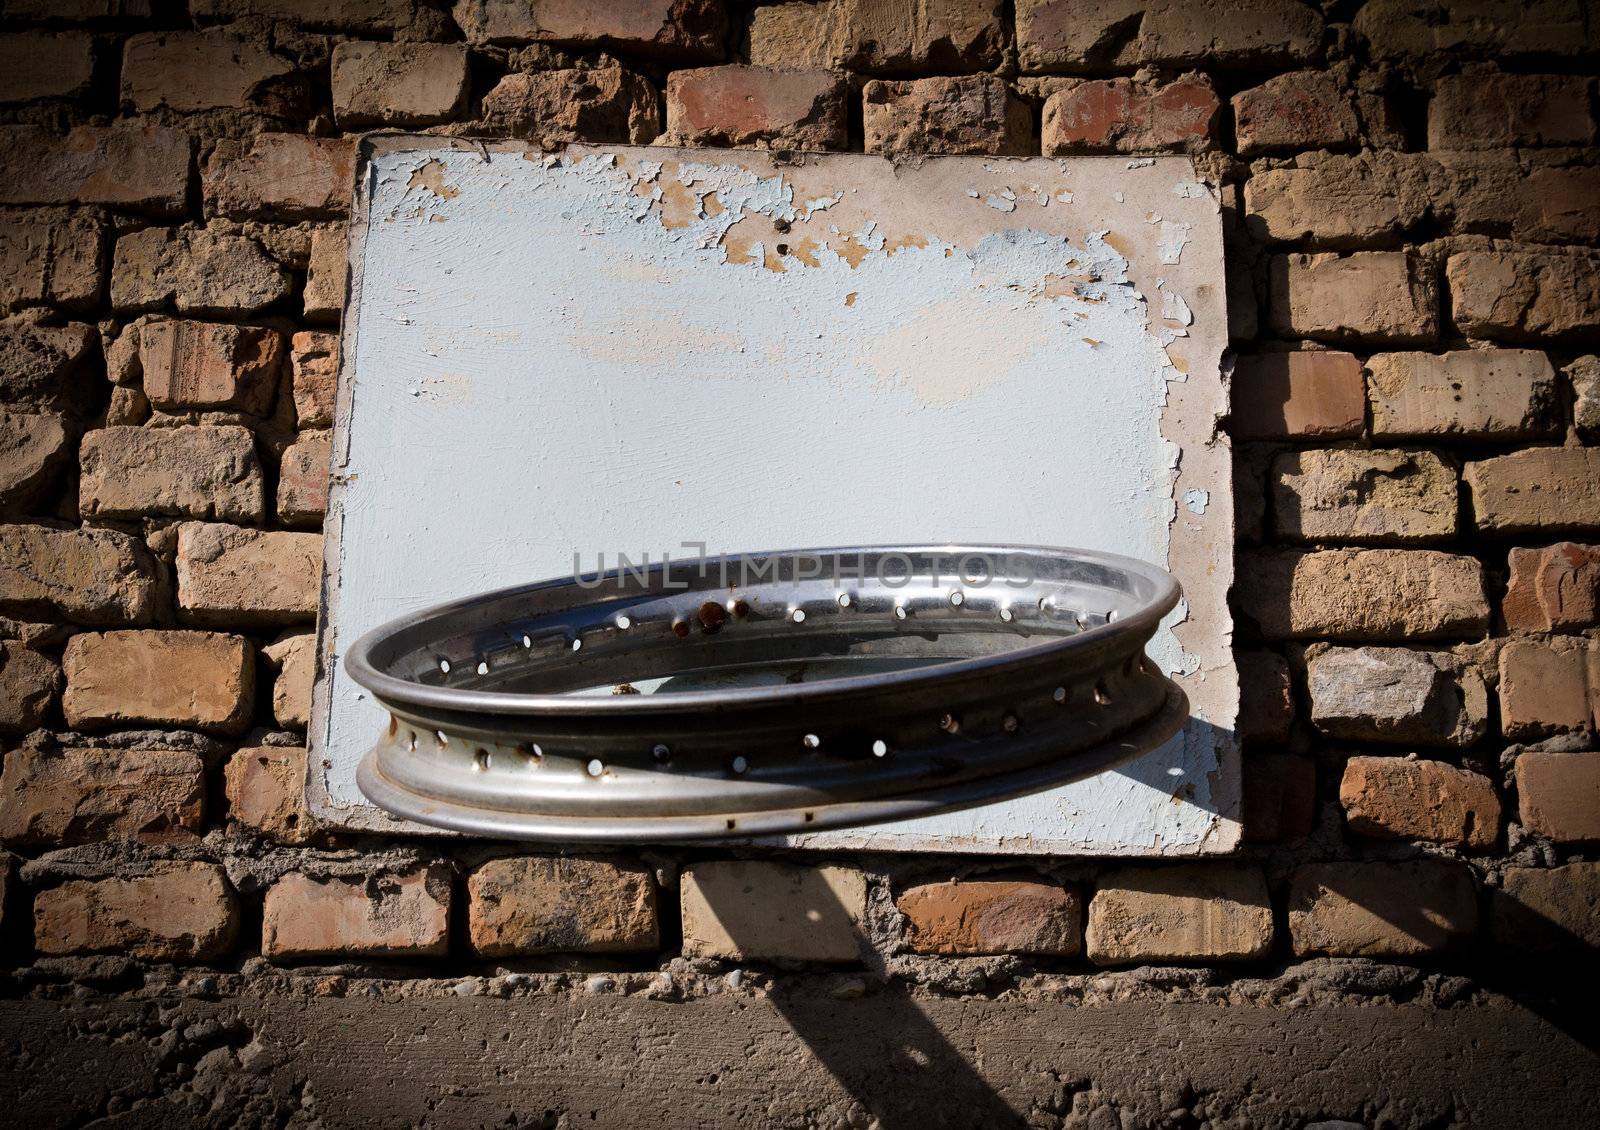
360,665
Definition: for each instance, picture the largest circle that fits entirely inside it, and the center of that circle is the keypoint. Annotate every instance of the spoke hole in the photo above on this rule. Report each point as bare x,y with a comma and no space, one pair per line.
1101,694
441,739
662,753
444,666
1059,695
811,741
624,623
480,761
880,748
740,764
483,666
798,615
595,767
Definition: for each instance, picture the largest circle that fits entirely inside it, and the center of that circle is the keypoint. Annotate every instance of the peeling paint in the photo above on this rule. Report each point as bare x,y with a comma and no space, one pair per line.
865,332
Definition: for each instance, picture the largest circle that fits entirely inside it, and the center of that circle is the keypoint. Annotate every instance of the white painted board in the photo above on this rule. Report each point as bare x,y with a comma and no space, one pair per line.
549,357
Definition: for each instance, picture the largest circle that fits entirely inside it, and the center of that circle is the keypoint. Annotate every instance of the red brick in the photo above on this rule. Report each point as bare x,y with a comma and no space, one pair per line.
282,176
172,912
29,681
1301,110
209,366
757,107
597,104
1309,393
1397,798
992,916
1524,296
1544,688
1555,589
42,65
1372,296
1559,795
1464,394
55,259
398,84
216,69
388,914
966,114
1123,116
1537,490
314,361
185,472
181,679
546,904
1351,495
79,796
1279,797
127,165
1363,594
303,480
1381,909
1266,698
1197,912
1486,109
1549,910
665,29
230,576
266,791
87,576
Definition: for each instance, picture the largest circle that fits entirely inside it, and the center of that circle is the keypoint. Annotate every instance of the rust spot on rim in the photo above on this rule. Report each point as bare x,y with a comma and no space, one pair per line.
711,616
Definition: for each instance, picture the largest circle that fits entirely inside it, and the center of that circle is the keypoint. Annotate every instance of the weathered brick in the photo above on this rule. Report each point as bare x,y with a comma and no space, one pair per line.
184,679
55,260
127,164
1300,110
231,576
1338,200
1344,494
314,362
1381,909
1394,29
128,407
303,479
965,114
1560,204
750,910
45,65
1312,393
548,904
200,272
665,29
1279,801
1374,296
1391,694
1544,688
1078,34
326,275
172,912
390,914
45,366
78,11
79,796
1524,296
188,472
978,916
1197,912
1122,115
1584,373
266,789
593,104
1554,589
28,685
1363,594
282,176
950,36
33,449
295,657
1266,698
209,366
1558,795
216,69
1396,798
757,107
1467,394
398,84
382,16
1495,110
1549,910
1540,489
87,576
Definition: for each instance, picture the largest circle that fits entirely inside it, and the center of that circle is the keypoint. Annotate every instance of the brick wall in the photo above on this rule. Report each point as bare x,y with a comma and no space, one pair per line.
1413,219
